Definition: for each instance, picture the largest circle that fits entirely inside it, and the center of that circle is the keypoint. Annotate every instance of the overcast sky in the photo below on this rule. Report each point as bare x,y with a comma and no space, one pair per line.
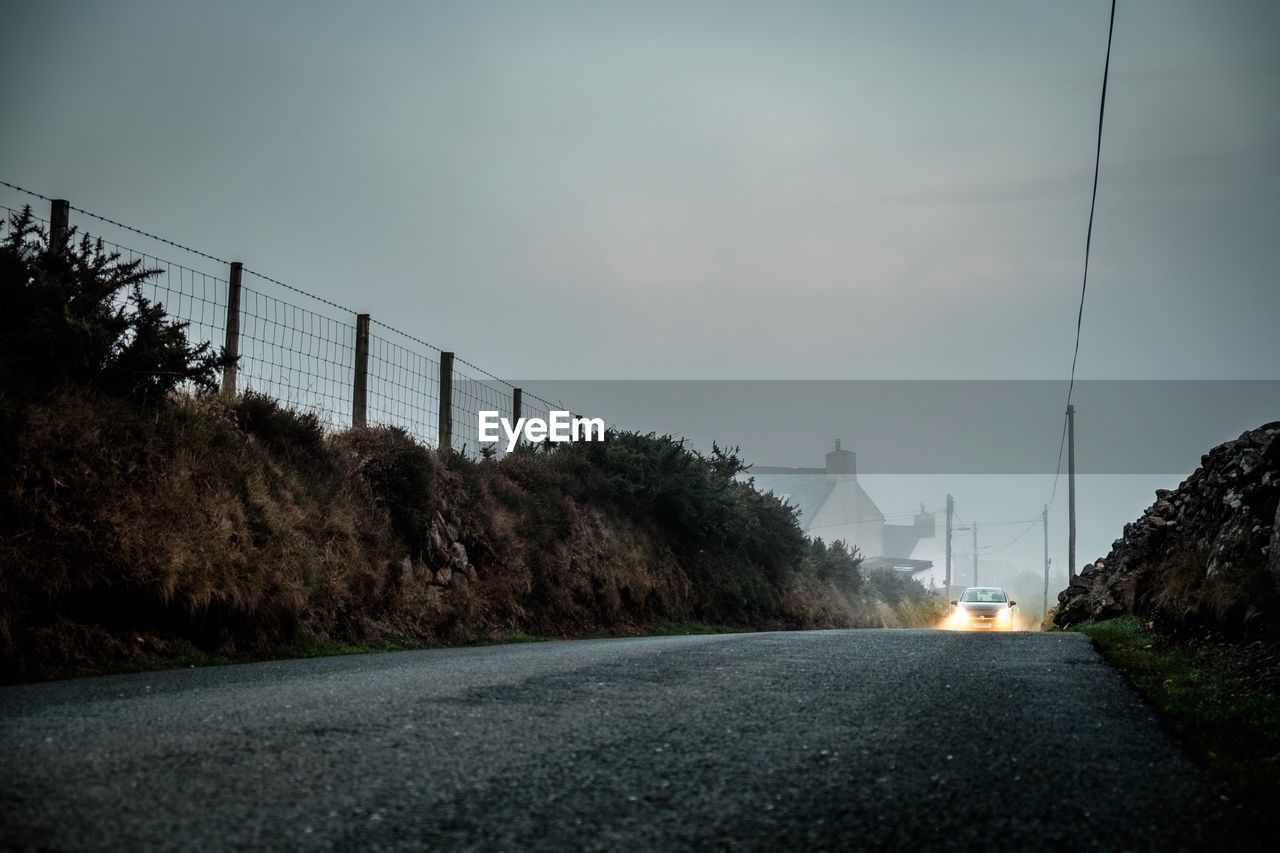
712,190
652,190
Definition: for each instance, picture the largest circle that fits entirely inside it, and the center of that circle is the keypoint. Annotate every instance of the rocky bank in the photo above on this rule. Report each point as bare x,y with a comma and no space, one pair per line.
1203,555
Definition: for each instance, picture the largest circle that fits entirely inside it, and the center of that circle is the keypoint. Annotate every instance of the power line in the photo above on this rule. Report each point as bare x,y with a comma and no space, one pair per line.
1088,245
1013,541
1013,523
1093,201
1053,493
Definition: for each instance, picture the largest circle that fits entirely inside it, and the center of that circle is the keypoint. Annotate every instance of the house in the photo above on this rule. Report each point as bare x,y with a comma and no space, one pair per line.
832,505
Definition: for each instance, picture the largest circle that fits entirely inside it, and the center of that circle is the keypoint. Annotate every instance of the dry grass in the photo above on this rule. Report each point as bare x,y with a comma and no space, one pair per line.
234,529
1180,595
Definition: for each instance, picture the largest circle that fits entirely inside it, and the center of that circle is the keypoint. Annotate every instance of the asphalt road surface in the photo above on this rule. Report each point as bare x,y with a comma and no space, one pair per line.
816,740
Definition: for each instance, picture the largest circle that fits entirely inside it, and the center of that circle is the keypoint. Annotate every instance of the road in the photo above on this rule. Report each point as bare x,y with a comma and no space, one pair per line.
812,740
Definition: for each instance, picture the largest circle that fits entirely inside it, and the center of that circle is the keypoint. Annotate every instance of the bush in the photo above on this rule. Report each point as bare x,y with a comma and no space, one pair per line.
279,427
835,562
75,313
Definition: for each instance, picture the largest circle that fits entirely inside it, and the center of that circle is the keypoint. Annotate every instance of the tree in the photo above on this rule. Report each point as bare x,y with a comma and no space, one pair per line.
74,313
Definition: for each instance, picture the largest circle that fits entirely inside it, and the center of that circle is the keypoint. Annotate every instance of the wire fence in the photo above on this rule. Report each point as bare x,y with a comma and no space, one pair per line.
404,384
194,297
303,350
11,212
303,358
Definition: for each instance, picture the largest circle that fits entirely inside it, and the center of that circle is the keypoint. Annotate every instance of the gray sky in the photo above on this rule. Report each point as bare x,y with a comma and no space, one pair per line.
712,190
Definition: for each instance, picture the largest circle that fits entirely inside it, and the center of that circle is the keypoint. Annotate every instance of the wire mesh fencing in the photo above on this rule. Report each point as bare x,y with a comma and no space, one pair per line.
304,351
196,298
11,213
298,356
403,384
475,391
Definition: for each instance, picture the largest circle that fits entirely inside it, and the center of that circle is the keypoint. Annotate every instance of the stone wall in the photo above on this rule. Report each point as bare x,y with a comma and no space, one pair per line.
1220,522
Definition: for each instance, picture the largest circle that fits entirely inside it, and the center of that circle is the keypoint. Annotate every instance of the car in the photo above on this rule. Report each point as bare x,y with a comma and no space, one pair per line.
982,608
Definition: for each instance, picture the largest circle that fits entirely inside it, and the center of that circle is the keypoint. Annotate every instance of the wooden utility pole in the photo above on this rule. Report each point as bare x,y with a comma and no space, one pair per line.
1044,523
951,508
1071,494
975,553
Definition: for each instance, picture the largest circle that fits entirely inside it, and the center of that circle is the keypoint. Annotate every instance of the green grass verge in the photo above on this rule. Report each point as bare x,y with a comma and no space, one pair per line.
1202,692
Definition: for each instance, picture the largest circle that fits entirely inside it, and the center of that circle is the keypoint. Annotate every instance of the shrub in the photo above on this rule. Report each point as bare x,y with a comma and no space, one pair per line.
75,313
279,427
835,562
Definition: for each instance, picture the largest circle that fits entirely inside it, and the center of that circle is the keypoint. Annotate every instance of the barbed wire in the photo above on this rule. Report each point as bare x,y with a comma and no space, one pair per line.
117,224
277,336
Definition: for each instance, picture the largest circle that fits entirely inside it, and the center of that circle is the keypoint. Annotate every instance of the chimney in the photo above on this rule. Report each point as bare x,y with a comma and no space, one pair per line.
842,463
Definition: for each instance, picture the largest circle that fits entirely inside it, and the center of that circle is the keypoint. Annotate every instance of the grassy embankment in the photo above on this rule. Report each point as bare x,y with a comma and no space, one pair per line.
212,529
145,518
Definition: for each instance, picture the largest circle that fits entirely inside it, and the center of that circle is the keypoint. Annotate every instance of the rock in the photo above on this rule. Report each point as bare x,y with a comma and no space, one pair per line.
460,561
1273,549
444,576
1223,515
450,532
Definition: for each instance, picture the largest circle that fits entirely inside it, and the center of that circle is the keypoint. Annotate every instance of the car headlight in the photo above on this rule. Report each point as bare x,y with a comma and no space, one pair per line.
1004,615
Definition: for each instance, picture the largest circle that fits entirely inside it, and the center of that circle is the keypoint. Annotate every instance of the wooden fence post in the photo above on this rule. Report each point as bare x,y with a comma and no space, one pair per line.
517,403
446,401
231,347
59,220
360,386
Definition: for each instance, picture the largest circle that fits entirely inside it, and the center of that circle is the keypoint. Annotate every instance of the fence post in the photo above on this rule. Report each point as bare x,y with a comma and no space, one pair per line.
517,403
446,400
360,387
231,348
59,221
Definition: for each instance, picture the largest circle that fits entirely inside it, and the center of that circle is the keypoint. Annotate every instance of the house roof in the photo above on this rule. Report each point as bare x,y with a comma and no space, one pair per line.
898,564
807,492
900,539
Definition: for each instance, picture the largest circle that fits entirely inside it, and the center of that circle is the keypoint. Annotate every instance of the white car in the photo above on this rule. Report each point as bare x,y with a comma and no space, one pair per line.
982,608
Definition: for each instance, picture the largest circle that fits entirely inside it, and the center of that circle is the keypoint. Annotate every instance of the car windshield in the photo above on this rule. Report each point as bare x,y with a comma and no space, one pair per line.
990,595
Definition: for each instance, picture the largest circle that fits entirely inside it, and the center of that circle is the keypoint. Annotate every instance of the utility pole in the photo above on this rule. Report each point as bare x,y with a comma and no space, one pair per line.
951,508
1044,522
975,553
1071,494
